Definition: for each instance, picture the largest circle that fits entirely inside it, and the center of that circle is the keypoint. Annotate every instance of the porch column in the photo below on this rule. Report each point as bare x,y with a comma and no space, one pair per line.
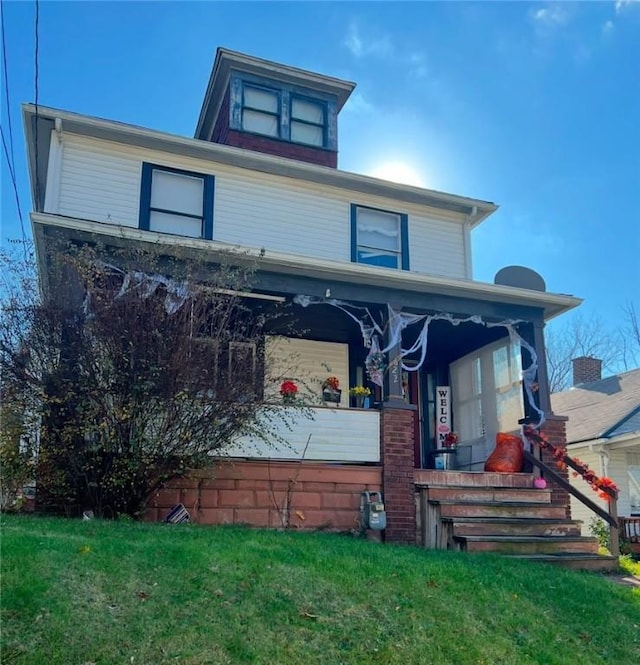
396,433
533,334
396,451
555,429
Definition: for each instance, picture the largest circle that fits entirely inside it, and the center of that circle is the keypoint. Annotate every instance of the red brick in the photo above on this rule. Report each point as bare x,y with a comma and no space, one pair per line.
304,500
219,484
215,516
344,501
255,484
253,516
208,498
349,487
309,486
319,156
264,498
237,498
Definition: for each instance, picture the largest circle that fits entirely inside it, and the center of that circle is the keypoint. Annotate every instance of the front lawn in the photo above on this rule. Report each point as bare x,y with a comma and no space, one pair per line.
103,593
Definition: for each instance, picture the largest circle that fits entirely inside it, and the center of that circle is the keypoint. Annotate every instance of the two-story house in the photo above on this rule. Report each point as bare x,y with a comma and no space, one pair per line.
380,275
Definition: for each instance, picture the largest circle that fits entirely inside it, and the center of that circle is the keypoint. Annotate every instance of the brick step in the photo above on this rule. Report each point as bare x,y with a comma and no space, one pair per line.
594,562
494,509
472,479
529,544
484,494
499,526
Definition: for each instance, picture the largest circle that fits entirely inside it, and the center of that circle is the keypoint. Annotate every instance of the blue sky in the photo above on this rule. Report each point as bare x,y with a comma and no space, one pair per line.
535,106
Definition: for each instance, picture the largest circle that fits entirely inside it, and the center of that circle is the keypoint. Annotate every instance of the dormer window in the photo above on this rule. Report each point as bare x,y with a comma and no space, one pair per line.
307,121
261,111
283,112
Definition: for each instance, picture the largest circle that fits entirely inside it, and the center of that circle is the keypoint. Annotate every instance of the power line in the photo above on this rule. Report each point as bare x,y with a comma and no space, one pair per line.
6,84
8,151
13,181
37,45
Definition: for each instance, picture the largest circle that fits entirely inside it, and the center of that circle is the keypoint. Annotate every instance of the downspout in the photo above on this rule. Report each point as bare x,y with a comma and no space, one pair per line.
466,240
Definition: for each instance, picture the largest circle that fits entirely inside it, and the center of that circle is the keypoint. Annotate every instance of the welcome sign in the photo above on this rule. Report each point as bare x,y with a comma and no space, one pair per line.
443,414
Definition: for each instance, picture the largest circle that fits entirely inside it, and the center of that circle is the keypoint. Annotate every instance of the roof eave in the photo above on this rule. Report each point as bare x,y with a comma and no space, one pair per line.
551,304
471,210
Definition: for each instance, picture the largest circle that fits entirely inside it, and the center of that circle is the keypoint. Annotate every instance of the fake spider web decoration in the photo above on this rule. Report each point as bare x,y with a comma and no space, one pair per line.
373,333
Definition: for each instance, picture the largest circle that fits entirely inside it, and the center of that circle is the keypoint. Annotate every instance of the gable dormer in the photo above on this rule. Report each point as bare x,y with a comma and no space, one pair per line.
268,107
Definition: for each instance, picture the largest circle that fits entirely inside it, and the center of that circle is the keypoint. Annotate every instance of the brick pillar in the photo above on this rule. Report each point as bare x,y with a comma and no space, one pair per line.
555,429
397,475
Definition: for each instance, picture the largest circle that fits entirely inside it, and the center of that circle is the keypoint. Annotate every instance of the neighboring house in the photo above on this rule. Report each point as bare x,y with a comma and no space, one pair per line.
371,265
604,432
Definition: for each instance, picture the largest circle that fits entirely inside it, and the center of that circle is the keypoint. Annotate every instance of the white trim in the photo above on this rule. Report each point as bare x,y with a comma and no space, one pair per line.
623,441
52,191
332,271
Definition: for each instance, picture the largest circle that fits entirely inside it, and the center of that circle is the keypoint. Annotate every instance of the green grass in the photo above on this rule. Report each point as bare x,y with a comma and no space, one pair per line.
77,592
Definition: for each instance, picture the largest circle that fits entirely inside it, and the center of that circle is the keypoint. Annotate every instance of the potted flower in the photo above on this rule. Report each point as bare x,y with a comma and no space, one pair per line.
331,390
359,393
288,390
450,440
448,447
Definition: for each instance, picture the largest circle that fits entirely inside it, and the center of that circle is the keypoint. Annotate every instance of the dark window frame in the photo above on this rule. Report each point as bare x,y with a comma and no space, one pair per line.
208,190
403,263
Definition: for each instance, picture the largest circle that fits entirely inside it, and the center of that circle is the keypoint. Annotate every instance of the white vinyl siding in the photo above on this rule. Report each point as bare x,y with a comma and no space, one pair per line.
334,433
309,364
100,181
337,435
617,469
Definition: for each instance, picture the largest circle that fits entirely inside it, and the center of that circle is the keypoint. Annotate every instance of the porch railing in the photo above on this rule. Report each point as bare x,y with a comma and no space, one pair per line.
610,516
630,532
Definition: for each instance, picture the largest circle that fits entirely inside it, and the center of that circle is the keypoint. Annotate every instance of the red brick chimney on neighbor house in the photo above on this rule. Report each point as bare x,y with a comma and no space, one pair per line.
586,370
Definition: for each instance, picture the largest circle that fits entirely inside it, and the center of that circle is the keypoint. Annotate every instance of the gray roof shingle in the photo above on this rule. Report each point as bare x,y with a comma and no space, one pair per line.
595,408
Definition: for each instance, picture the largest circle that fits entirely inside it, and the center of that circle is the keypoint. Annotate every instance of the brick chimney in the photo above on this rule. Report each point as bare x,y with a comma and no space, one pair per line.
586,370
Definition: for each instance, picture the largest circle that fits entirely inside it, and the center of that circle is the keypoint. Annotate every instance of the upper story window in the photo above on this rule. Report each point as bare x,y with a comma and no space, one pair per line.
307,121
261,111
283,111
379,237
176,201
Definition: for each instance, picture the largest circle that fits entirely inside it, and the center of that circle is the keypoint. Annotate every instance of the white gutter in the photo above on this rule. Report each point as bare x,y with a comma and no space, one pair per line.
331,271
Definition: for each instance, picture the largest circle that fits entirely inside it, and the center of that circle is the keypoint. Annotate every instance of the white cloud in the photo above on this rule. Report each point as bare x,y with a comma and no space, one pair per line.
552,16
358,104
607,28
381,46
361,47
621,5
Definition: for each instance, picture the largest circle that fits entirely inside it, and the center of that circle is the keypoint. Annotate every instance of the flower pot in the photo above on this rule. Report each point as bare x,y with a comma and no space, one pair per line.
288,398
331,395
359,399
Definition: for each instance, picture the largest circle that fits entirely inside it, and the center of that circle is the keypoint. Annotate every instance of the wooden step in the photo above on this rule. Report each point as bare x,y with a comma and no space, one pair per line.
429,477
593,562
529,544
488,494
494,509
499,526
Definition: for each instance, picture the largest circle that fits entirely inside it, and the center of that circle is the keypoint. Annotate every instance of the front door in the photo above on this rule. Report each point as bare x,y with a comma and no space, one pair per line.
486,388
